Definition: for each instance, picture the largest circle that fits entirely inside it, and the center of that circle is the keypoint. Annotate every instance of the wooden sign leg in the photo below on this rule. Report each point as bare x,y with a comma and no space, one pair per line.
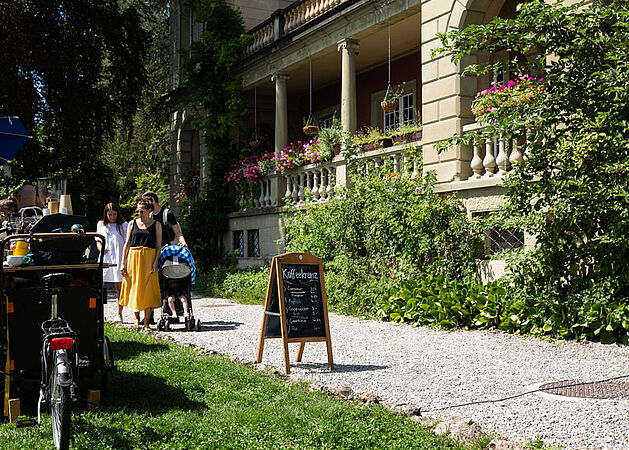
300,353
261,344
330,359
286,357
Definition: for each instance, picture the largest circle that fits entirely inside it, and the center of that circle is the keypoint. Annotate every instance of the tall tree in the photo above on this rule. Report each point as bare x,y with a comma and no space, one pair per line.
72,70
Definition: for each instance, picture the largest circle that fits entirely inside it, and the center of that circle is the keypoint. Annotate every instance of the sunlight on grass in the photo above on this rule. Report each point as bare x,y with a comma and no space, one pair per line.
164,396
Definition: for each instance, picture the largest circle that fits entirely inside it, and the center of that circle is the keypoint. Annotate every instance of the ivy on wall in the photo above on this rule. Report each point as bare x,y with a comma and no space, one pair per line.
213,95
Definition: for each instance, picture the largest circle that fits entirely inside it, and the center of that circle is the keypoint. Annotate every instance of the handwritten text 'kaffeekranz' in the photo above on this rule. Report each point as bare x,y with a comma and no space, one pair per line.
293,274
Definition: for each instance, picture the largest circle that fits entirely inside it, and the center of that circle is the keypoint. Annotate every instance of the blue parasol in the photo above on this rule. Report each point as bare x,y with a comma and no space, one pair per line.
13,136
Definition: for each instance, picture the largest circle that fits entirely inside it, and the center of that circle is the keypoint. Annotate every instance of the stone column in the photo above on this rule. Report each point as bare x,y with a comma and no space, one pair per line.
281,134
281,115
349,49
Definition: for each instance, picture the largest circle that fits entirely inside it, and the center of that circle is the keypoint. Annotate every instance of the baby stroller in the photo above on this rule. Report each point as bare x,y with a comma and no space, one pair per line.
176,266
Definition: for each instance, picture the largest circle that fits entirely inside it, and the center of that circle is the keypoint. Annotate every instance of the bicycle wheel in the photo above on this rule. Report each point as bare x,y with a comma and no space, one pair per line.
60,404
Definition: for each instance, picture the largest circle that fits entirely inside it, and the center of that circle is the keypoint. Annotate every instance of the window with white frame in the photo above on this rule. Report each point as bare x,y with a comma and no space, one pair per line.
403,115
327,121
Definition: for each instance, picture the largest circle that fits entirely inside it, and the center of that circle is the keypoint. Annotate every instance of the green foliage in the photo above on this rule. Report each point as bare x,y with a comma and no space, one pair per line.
385,227
206,219
164,396
572,191
437,301
245,286
75,73
214,97
206,74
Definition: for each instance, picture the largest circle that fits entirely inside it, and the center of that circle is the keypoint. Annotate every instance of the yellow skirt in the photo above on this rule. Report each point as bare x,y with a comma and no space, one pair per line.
140,286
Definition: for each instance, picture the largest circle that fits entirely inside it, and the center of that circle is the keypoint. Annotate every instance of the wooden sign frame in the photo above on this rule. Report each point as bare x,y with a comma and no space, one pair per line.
276,282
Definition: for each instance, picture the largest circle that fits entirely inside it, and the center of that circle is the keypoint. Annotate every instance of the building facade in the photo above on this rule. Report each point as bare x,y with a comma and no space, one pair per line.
334,59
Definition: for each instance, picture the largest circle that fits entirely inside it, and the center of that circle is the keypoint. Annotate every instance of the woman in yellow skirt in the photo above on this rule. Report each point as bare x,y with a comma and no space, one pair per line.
140,257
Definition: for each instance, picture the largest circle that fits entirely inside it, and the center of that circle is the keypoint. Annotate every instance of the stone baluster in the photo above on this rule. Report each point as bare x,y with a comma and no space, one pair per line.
323,184
307,185
489,162
527,145
397,164
315,185
267,196
295,193
477,161
502,161
415,172
329,191
301,180
308,13
258,202
516,154
288,195
241,202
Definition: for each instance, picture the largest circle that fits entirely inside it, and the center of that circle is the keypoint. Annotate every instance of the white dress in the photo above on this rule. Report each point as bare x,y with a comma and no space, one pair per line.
114,241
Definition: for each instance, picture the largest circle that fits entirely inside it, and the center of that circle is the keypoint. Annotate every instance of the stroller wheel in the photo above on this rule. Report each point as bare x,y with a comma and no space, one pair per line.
160,325
197,326
167,326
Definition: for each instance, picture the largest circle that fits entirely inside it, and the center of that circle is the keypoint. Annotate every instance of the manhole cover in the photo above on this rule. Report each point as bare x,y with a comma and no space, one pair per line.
595,389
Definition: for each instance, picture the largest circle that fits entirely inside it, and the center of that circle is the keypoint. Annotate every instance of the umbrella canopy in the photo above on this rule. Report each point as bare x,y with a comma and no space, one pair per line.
13,136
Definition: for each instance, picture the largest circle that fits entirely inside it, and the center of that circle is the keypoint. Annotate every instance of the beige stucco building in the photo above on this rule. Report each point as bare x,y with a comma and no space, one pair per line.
335,58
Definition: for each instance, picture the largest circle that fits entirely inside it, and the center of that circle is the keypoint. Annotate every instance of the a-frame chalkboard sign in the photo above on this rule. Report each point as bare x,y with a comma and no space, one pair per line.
296,307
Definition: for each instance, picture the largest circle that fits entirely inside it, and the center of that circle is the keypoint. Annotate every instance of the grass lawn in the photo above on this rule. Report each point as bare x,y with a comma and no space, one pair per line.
164,396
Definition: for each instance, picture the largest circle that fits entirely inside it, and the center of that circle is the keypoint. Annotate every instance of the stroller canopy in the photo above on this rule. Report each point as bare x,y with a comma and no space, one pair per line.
170,251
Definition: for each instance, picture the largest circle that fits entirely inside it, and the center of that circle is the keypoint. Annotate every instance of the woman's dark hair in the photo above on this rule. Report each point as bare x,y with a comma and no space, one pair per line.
119,219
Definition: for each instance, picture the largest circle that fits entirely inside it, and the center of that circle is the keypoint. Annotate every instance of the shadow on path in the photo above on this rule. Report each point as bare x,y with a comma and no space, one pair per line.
341,368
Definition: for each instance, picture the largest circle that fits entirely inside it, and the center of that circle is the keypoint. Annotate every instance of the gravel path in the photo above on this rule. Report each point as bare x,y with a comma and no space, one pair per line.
435,369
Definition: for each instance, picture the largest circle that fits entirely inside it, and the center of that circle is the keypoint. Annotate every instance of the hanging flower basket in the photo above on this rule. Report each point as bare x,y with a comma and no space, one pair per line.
310,130
255,144
389,106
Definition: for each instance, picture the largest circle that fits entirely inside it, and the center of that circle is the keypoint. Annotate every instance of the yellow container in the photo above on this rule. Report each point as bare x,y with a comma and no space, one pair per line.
20,248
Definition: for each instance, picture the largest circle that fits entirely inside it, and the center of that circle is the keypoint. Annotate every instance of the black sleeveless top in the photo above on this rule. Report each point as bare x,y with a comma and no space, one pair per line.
143,238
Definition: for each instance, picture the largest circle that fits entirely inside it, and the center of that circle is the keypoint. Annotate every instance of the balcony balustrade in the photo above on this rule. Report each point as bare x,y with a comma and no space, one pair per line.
494,157
317,183
288,20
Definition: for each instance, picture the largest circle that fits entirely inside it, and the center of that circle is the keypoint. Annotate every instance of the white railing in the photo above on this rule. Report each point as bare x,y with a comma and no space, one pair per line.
261,38
288,20
317,183
494,157
307,11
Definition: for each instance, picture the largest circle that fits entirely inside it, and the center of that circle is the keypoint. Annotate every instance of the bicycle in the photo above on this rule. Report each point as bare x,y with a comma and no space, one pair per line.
58,359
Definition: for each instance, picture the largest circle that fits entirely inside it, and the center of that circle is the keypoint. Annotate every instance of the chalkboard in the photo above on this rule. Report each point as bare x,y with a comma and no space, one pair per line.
303,300
295,308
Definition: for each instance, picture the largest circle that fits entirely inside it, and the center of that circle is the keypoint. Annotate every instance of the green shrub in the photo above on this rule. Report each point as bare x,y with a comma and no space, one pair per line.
437,301
248,285
382,229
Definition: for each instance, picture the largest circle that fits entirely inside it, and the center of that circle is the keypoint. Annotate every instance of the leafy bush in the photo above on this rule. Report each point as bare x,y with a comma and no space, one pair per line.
571,191
248,285
437,301
383,228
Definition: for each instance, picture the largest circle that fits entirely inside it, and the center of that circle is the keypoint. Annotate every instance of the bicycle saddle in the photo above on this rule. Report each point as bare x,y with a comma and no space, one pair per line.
56,280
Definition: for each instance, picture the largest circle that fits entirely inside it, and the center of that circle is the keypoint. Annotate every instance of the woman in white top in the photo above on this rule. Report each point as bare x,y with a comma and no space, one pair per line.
114,228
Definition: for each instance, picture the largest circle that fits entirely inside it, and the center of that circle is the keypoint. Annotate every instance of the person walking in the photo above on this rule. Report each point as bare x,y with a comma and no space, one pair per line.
169,222
114,228
140,285
171,231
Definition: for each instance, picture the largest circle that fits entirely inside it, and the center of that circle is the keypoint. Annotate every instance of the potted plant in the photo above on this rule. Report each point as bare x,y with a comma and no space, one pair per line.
310,126
390,101
409,132
330,141
372,139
